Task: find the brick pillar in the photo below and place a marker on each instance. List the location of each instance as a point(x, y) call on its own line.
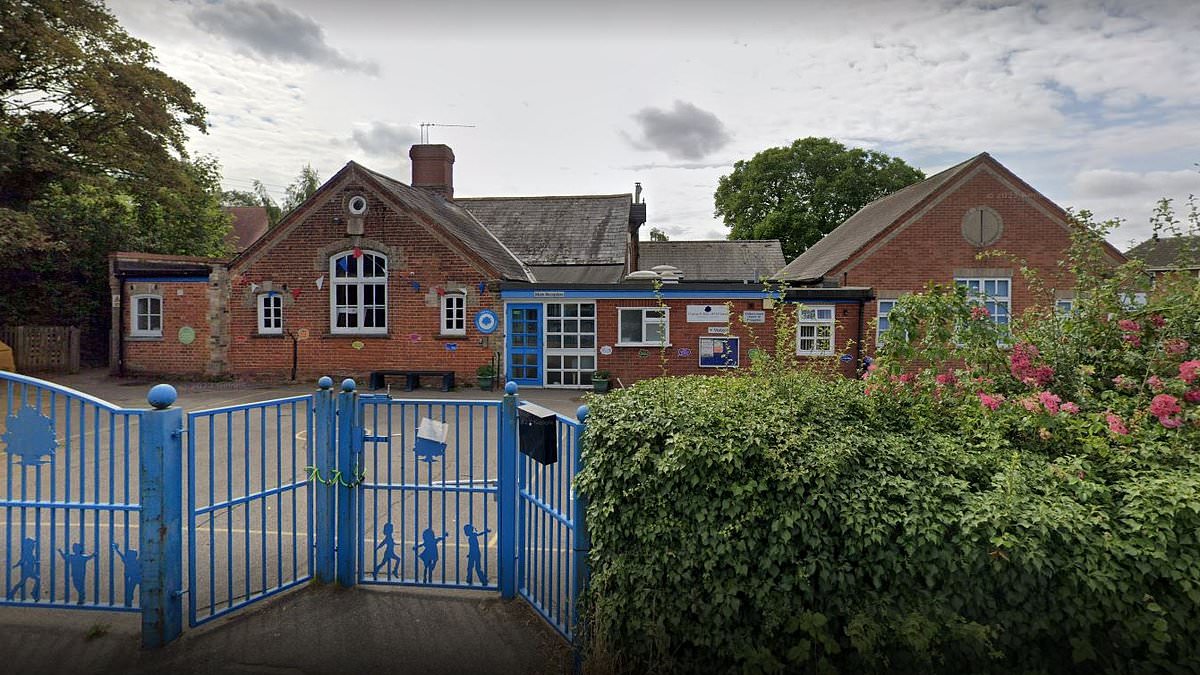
point(219, 297)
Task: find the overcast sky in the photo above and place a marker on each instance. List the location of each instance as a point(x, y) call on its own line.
point(1095, 104)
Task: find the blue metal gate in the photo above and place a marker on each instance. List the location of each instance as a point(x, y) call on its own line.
point(324, 487)
point(249, 503)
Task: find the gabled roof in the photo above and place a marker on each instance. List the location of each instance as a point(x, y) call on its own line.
point(577, 274)
point(570, 230)
point(720, 260)
point(846, 239)
point(249, 223)
point(458, 222)
point(1168, 253)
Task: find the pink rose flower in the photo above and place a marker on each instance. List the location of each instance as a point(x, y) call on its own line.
point(1158, 321)
point(1176, 347)
point(979, 313)
point(1021, 365)
point(989, 401)
point(1115, 424)
point(1189, 371)
point(1170, 422)
point(908, 377)
point(1070, 407)
point(946, 379)
point(1132, 339)
point(1129, 325)
point(1154, 382)
point(1031, 404)
point(1050, 402)
point(1192, 396)
point(1164, 405)
point(1124, 382)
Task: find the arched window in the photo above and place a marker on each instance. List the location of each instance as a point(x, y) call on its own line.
point(358, 294)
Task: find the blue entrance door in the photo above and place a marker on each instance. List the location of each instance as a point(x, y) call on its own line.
point(525, 344)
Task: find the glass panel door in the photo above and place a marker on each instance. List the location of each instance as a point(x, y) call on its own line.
point(524, 353)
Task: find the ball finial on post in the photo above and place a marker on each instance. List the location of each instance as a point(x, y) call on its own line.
point(161, 396)
point(325, 382)
point(510, 387)
point(581, 413)
point(348, 384)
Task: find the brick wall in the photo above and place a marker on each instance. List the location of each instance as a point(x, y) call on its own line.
point(932, 247)
point(291, 264)
point(184, 304)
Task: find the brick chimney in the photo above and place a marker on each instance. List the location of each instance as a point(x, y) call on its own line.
point(433, 168)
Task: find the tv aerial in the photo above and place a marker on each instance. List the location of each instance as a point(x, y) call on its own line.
point(426, 126)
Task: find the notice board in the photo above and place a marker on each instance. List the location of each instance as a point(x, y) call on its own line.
point(719, 352)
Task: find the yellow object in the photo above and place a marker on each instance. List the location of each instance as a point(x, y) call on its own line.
point(6, 358)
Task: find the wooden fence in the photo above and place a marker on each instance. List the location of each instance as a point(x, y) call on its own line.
point(43, 348)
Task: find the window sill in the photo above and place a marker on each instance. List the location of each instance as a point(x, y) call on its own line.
point(356, 336)
point(144, 338)
point(643, 345)
point(815, 354)
point(450, 336)
point(270, 336)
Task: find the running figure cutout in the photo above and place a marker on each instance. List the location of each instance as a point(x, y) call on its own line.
point(388, 544)
point(428, 552)
point(474, 554)
point(77, 563)
point(31, 568)
point(133, 571)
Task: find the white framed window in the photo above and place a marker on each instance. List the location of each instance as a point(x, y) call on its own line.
point(814, 331)
point(146, 319)
point(994, 293)
point(270, 313)
point(1064, 306)
point(882, 322)
point(454, 313)
point(642, 326)
point(570, 343)
point(358, 294)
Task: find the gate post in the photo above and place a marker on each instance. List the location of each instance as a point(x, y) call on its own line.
point(349, 469)
point(583, 540)
point(160, 531)
point(507, 544)
point(323, 463)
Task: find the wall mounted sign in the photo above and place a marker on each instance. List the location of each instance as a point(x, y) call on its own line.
point(846, 358)
point(451, 346)
point(187, 335)
point(754, 316)
point(707, 314)
point(718, 330)
point(606, 350)
point(357, 344)
point(302, 334)
point(486, 321)
point(719, 352)
point(549, 294)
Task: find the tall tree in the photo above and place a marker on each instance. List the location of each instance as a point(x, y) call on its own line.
point(301, 189)
point(658, 235)
point(92, 160)
point(799, 193)
point(80, 97)
point(256, 196)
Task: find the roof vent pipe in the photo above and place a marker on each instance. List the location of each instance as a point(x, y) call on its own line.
point(637, 193)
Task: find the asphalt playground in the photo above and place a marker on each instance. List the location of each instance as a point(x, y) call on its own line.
point(252, 492)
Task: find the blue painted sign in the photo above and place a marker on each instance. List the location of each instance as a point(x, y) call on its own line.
point(486, 321)
point(846, 358)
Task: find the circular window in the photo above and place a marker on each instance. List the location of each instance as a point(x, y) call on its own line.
point(357, 205)
point(981, 226)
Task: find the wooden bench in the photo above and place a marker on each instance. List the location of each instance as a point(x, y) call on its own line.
point(412, 378)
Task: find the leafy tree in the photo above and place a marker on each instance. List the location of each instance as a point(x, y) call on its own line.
point(657, 234)
point(92, 160)
point(80, 97)
point(302, 188)
point(799, 193)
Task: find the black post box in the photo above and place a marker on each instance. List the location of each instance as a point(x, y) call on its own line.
point(538, 431)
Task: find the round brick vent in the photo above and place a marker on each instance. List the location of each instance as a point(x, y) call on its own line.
point(982, 226)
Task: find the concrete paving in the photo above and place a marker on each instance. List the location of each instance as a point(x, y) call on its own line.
point(312, 630)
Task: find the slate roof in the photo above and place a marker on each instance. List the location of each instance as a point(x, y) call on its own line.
point(836, 247)
point(1166, 253)
point(572, 230)
point(577, 274)
point(249, 223)
point(714, 260)
point(459, 223)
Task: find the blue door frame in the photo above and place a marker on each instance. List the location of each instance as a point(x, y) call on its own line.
point(523, 355)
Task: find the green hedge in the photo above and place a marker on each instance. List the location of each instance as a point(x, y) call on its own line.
point(792, 524)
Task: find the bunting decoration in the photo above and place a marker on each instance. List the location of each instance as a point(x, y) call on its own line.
point(320, 282)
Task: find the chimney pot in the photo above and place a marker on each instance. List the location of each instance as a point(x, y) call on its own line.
point(433, 168)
